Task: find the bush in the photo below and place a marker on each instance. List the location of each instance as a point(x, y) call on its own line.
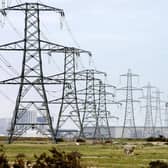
point(19, 162)
point(55, 159)
point(3, 158)
point(160, 138)
point(108, 141)
point(59, 140)
point(80, 140)
point(58, 160)
point(158, 164)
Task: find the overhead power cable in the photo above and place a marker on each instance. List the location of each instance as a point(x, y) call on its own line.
point(7, 97)
point(70, 31)
point(13, 27)
point(8, 65)
point(1, 67)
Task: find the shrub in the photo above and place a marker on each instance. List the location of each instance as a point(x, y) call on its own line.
point(158, 164)
point(60, 140)
point(55, 159)
point(19, 162)
point(58, 160)
point(80, 140)
point(3, 158)
point(108, 141)
point(160, 138)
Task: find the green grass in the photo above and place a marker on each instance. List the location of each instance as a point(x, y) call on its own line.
point(98, 155)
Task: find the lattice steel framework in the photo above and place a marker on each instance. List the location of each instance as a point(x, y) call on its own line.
point(32, 95)
point(93, 103)
point(88, 108)
point(102, 129)
point(166, 115)
point(69, 101)
point(148, 125)
point(158, 116)
point(129, 127)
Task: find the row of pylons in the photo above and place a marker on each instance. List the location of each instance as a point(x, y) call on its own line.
point(85, 94)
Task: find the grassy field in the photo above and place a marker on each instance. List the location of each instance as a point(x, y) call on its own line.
point(97, 155)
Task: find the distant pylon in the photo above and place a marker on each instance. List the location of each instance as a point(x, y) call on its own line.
point(129, 127)
point(166, 115)
point(102, 129)
point(89, 95)
point(148, 125)
point(158, 125)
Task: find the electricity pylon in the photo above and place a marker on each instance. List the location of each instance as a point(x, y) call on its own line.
point(32, 95)
point(148, 125)
point(129, 127)
point(158, 116)
point(93, 103)
point(166, 115)
point(69, 101)
point(102, 129)
point(88, 108)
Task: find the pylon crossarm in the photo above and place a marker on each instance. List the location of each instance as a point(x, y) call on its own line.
point(53, 81)
point(16, 80)
point(110, 94)
point(59, 101)
point(83, 92)
point(90, 71)
point(45, 46)
point(11, 81)
point(13, 46)
point(53, 47)
point(113, 102)
point(41, 7)
point(129, 100)
point(133, 88)
point(113, 117)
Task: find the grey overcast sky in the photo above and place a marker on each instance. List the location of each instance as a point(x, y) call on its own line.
point(121, 34)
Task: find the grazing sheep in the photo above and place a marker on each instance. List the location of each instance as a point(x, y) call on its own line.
point(129, 149)
point(77, 143)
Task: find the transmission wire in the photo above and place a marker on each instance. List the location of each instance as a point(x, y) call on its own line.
point(8, 65)
point(7, 97)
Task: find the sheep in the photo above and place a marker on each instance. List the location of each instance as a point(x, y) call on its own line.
point(129, 149)
point(77, 143)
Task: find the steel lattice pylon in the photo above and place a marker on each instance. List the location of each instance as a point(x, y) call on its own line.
point(88, 108)
point(69, 105)
point(102, 129)
point(31, 77)
point(32, 96)
point(166, 115)
point(148, 125)
point(93, 100)
point(69, 102)
point(129, 127)
point(158, 117)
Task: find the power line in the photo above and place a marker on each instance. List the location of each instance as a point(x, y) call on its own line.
point(8, 65)
point(13, 27)
point(70, 31)
point(5, 70)
point(7, 97)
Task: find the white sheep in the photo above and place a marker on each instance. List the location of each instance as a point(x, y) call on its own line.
point(129, 149)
